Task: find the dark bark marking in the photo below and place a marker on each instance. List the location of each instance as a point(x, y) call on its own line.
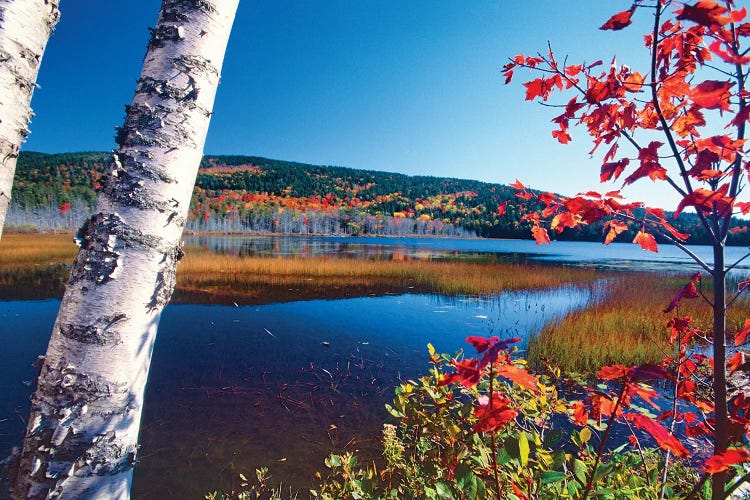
point(71, 390)
point(151, 127)
point(188, 5)
point(191, 63)
point(97, 334)
point(129, 190)
point(166, 279)
point(166, 90)
point(163, 34)
point(128, 161)
point(100, 237)
point(55, 449)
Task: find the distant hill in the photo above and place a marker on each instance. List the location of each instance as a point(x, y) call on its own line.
point(237, 193)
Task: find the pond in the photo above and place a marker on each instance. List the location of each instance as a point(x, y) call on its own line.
point(284, 384)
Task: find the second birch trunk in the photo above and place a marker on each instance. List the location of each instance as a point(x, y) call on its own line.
point(25, 27)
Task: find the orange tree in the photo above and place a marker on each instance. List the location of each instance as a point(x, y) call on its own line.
point(682, 121)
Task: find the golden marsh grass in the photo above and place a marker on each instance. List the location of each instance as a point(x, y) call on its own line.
point(200, 269)
point(18, 250)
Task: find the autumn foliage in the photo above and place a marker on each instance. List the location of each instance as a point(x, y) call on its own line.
point(678, 120)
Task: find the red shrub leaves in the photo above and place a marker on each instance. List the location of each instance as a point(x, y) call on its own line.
point(467, 373)
point(741, 335)
point(495, 414)
point(481, 344)
point(662, 437)
point(722, 461)
point(613, 372)
point(519, 376)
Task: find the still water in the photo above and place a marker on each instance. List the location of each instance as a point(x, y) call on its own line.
point(284, 384)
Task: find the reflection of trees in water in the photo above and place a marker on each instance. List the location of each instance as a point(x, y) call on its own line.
point(33, 282)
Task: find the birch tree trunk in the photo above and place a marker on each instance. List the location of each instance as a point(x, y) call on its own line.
point(82, 435)
point(25, 27)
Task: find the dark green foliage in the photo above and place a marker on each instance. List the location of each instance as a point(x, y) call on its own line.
point(45, 179)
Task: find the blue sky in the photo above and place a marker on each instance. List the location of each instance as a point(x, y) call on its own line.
point(412, 87)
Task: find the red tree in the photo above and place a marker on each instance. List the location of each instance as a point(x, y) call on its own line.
point(682, 122)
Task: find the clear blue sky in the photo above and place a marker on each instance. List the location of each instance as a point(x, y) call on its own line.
point(407, 86)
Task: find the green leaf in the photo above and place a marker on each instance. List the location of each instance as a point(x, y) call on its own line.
point(443, 491)
point(552, 476)
point(579, 470)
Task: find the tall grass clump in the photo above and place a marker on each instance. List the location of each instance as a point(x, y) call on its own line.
point(624, 325)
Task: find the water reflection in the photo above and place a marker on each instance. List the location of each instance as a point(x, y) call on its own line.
point(620, 256)
point(348, 247)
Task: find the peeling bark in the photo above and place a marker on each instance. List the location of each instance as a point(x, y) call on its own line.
point(81, 441)
point(25, 27)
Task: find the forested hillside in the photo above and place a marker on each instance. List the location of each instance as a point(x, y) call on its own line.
point(236, 193)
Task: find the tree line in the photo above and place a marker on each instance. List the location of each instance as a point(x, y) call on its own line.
point(250, 193)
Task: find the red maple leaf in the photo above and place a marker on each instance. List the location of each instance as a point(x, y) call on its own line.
point(706, 13)
point(615, 227)
point(650, 166)
point(646, 241)
point(612, 170)
point(688, 291)
point(540, 235)
point(712, 94)
point(501, 208)
point(562, 136)
point(706, 201)
point(619, 20)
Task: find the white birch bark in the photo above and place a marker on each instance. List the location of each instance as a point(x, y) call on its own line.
point(25, 27)
point(82, 436)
